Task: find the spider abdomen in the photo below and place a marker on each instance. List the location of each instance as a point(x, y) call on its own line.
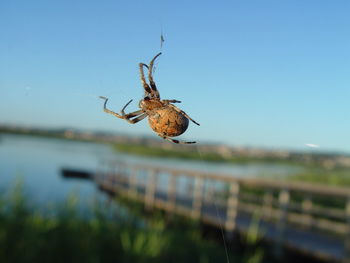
point(167, 121)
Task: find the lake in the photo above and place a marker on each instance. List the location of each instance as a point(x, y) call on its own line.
point(38, 162)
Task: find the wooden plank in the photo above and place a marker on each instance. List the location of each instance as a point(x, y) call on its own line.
point(171, 193)
point(267, 205)
point(197, 198)
point(133, 182)
point(317, 189)
point(338, 228)
point(347, 239)
point(284, 198)
point(306, 207)
point(150, 189)
point(232, 207)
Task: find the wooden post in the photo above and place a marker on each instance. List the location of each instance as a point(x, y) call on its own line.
point(283, 200)
point(347, 237)
point(171, 202)
point(189, 189)
point(111, 180)
point(151, 189)
point(132, 192)
point(209, 193)
point(232, 207)
point(267, 205)
point(306, 207)
point(120, 174)
point(113, 175)
point(197, 198)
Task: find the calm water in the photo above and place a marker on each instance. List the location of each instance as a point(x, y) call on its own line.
point(38, 162)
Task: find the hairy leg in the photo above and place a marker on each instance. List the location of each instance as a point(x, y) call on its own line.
point(131, 114)
point(138, 114)
point(171, 101)
point(109, 111)
point(137, 119)
point(146, 87)
point(174, 140)
point(150, 76)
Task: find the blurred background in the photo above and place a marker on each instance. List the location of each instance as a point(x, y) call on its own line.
point(268, 179)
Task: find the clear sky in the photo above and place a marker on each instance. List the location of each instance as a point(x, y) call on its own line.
point(253, 73)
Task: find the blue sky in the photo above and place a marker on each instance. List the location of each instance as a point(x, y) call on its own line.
point(253, 73)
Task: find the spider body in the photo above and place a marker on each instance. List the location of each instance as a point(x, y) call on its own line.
point(149, 105)
point(164, 117)
point(168, 122)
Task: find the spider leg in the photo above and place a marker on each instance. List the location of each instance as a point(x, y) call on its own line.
point(126, 105)
point(137, 119)
point(138, 114)
point(131, 114)
point(150, 77)
point(146, 87)
point(173, 140)
point(171, 101)
point(184, 113)
point(109, 111)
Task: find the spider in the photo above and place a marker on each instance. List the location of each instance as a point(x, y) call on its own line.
point(164, 118)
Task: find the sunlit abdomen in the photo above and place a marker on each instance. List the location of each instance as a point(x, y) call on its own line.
point(168, 121)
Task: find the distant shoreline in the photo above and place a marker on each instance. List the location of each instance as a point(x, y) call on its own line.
point(202, 152)
point(316, 169)
point(154, 151)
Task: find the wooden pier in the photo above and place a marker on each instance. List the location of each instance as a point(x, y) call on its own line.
point(313, 219)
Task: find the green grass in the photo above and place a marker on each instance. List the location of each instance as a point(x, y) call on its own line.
point(164, 153)
point(333, 177)
point(63, 235)
point(191, 154)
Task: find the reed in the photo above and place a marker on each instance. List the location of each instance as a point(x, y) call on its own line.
point(63, 233)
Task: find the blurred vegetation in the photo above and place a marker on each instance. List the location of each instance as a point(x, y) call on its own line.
point(254, 252)
point(338, 176)
point(327, 161)
point(64, 235)
point(191, 154)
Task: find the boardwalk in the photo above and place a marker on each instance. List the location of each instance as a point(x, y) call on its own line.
point(312, 219)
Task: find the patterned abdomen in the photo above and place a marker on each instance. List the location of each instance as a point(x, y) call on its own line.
point(168, 121)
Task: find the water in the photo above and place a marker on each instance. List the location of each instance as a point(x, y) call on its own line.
point(38, 162)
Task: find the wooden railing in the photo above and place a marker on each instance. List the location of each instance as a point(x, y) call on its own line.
point(311, 211)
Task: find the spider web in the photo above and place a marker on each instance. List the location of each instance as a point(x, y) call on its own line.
point(218, 215)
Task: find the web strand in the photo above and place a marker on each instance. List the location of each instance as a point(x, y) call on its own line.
point(221, 227)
